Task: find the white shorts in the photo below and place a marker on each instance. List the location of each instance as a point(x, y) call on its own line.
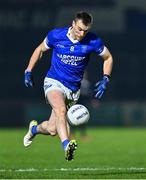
point(52, 84)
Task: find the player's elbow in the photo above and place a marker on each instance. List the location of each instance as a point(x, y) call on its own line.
point(109, 58)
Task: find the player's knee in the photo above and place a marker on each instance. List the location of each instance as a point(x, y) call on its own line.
point(52, 130)
point(43, 127)
point(53, 133)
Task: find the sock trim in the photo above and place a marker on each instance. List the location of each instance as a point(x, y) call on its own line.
point(34, 130)
point(65, 143)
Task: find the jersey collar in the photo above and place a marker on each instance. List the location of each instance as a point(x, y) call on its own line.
point(69, 37)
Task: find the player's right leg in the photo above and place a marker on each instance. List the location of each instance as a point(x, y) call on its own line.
point(47, 127)
point(70, 149)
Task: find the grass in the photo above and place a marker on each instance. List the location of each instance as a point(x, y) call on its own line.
point(106, 153)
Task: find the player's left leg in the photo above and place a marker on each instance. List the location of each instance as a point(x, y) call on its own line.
point(70, 149)
point(57, 100)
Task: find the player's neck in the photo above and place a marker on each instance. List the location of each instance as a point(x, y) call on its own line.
point(72, 35)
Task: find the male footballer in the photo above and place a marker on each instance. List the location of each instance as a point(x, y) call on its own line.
point(72, 47)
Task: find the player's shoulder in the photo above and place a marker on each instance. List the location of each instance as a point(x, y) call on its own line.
point(92, 38)
point(58, 32)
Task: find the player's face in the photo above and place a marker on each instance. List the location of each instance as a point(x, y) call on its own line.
point(79, 29)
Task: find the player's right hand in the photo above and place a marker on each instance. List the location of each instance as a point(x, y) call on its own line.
point(28, 79)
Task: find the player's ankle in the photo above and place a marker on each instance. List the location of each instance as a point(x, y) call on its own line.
point(65, 143)
point(34, 130)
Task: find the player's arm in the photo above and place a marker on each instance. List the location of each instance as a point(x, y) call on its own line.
point(108, 62)
point(37, 54)
point(107, 69)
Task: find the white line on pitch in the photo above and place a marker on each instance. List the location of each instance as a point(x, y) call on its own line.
point(77, 169)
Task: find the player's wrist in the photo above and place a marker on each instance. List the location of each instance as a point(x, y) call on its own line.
point(28, 70)
point(107, 77)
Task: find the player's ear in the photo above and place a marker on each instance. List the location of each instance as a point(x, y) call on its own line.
point(73, 23)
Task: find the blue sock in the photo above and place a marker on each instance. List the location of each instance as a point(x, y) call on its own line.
point(34, 130)
point(65, 143)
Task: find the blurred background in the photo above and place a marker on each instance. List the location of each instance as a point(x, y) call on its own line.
point(122, 26)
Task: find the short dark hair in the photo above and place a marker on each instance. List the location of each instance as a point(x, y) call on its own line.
point(85, 17)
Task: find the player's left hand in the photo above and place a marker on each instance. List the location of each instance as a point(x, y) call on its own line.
point(101, 86)
point(28, 79)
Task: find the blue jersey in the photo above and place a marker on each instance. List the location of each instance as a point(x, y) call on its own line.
point(70, 57)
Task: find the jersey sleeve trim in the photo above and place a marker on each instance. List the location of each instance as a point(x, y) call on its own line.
point(45, 43)
point(103, 52)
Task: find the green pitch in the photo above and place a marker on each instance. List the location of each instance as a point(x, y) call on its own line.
point(105, 153)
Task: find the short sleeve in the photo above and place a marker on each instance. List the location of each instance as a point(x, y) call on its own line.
point(99, 47)
point(49, 40)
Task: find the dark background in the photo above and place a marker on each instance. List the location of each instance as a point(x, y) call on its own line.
point(122, 26)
